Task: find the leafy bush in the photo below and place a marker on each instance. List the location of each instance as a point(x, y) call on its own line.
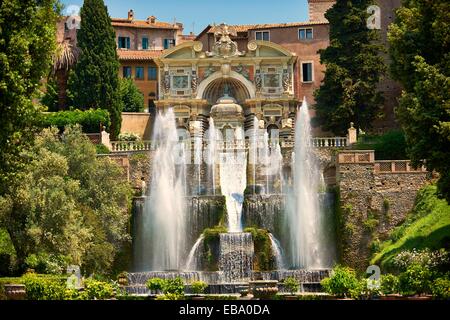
point(199, 287)
point(364, 289)
point(89, 120)
point(131, 98)
point(389, 284)
point(173, 289)
point(389, 146)
point(102, 149)
point(45, 263)
point(341, 283)
point(173, 286)
point(155, 284)
point(425, 258)
point(441, 288)
point(127, 136)
point(50, 97)
point(415, 280)
point(291, 284)
point(67, 202)
point(94, 289)
point(44, 288)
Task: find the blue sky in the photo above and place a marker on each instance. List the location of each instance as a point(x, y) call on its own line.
point(202, 12)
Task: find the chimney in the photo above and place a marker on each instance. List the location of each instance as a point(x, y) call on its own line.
point(151, 19)
point(130, 15)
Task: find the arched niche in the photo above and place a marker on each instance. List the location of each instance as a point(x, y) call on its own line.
point(212, 88)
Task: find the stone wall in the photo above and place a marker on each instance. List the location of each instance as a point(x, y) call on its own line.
point(375, 197)
point(138, 123)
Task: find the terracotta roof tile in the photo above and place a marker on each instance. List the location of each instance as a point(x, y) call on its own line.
point(143, 24)
point(245, 28)
point(138, 55)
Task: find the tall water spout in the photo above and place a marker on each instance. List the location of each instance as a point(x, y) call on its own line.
point(254, 150)
point(164, 235)
point(306, 248)
point(212, 154)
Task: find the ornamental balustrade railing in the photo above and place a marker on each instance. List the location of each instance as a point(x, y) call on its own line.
point(147, 145)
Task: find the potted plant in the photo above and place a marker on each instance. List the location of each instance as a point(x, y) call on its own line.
point(198, 288)
point(155, 285)
point(389, 287)
point(291, 285)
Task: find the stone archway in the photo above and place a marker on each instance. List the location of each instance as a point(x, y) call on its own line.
point(212, 87)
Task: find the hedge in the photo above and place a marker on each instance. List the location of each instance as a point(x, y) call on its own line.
point(90, 120)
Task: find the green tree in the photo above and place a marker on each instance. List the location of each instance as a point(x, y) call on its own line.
point(50, 97)
point(420, 52)
point(354, 68)
point(27, 42)
point(67, 203)
point(131, 98)
point(94, 82)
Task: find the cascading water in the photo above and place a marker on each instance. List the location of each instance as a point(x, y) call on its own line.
point(192, 259)
point(164, 231)
point(236, 256)
point(233, 180)
point(306, 250)
point(276, 250)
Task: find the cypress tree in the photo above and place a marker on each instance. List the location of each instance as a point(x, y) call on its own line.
point(94, 83)
point(354, 67)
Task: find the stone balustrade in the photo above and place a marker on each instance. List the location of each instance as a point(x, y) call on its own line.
point(396, 166)
point(379, 166)
point(139, 146)
point(130, 146)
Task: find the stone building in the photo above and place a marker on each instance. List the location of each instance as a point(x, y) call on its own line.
point(139, 42)
point(305, 39)
point(141, 45)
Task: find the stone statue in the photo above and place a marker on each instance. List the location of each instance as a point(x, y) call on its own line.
point(74, 279)
point(224, 46)
point(258, 81)
point(286, 80)
point(166, 81)
point(194, 81)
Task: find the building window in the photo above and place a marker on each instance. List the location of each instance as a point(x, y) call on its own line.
point(307, 72)
point(262, 35)
point(305, 33)
point(127, 72)
point(144, 43)
point(169, 43)
point(124, 42)
point(140, 73)
point(152, 73)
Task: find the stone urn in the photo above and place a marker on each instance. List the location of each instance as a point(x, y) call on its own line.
point(264, 289)
point(15, 291)
point(122, 279)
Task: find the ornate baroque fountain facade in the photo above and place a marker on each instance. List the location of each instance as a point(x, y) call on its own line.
point(231, 197)
point(260, 80)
